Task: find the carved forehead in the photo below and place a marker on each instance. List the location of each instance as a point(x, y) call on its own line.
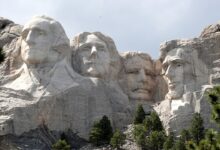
point(91, 38)
point(178, 54)
point(39, 23)
point(138, 62)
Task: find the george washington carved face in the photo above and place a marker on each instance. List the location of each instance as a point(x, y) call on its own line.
point(41, 39)
point(36, 41)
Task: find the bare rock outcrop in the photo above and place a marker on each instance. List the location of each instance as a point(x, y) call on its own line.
point(210, 31)
point(43, 88)
point(46, 80)
point(188, 67)
point(8, 31)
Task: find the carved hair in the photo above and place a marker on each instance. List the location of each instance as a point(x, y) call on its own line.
point(115, 62)
point(13, 59)
point(61, 42)
point(129, 55)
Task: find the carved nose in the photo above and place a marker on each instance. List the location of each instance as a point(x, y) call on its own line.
point(142, 75)
point(169, 72)
point(93, 52)
point(29, 39)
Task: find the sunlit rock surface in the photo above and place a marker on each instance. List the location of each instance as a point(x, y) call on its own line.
point(49, 80)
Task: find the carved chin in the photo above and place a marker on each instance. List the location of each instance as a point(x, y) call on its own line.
point(32, 60)
point(140, 96)
point(174, 95)
point(33, 57)
point(93, 72)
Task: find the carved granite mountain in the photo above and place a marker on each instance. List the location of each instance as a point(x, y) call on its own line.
point(8, 31)
point(189, 68)
point(46, 80)
point(39, 86)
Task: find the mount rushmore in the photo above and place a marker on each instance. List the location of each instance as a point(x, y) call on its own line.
point(64, 83)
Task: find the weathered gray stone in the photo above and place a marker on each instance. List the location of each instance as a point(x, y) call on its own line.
point(138, 79)
point(8, 31)
point(43, 88)
point(47, 81)
point(210, 31)
point(95, 55)
point(188, 66)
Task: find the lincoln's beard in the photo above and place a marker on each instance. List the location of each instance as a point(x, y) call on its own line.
point(175, 93)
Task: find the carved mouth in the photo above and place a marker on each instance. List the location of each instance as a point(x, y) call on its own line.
point(141, 90)
point(89, 62)
point(92, 62)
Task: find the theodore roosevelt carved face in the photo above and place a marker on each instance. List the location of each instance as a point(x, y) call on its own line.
point(139, 74)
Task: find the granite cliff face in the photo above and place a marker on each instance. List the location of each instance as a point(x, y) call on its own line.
point(49, 80)
point(40, 86)
point(190, 67)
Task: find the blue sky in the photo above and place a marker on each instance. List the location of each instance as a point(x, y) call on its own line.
point(135, 25)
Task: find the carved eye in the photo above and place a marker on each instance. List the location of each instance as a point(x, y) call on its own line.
point(41, 33)
point(87, 47)
point(178, 64)
point(132, 71)
point(101, 48)
point(149, 73)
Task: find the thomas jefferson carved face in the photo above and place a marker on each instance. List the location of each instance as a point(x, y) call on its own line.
point(37, 39)
point(139, 77)
point(94, 57)
point(177, 72)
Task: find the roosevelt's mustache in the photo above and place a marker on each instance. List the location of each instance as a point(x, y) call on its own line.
point(142, 87)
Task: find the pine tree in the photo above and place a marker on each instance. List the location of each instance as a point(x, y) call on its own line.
point(153, 123)
point(214, 99)
point(139, 134)
point(185, 135)
point(197, 128)
point(156, 123)
point(191, 145)
point(211, 141)
point(101, 132)
point(155, 140)
point(140, 115)
point(106, 128)
point(181, 142)
point(179, 145)
point(95, 135)
point(204, 145)
point(61, 145)
point(118, 139)
point(168, 144)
